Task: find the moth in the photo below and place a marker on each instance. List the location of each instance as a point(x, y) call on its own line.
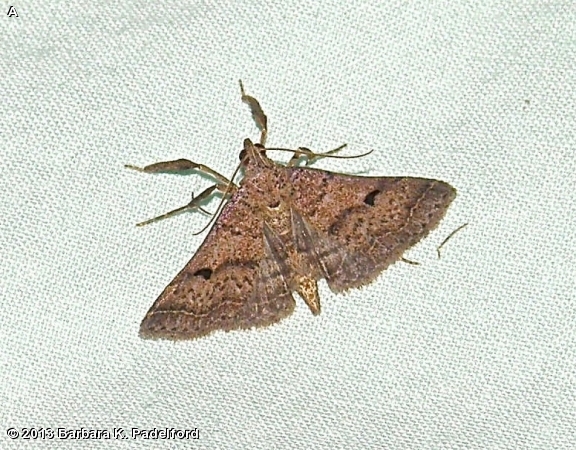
point(283, 228)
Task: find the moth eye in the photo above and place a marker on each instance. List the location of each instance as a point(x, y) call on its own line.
point(242, 155)
point(274, 205)
point(204, 273)
point(369, 199)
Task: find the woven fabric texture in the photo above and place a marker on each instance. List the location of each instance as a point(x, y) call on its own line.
point(475, 350)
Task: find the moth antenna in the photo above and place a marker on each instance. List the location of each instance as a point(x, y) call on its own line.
point(224, 194)
point(329, 153)
point(306, 152)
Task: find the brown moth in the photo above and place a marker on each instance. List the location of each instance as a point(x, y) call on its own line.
point(284, 228)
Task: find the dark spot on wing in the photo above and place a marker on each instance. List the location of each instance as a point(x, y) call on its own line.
point(204, 273)
point(369, 199)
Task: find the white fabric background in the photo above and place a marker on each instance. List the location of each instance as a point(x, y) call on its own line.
point(473, 351)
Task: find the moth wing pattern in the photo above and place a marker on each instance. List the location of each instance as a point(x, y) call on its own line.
point(222, 288)
point(364, 224)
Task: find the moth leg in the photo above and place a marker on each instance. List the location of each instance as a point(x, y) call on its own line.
point(181, 165)
point(193, 204)
point(257, 114)
point(409, 261)
point(448, 238)
point(310, 156)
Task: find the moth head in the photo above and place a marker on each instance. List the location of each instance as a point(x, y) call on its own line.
point(254, 154)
